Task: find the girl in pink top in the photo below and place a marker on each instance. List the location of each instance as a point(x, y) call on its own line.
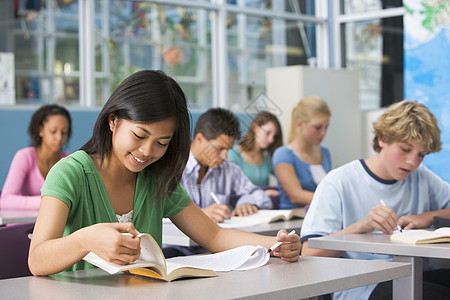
point(49, 129)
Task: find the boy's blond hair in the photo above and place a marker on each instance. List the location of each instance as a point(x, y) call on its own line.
point(408, 121)
point(308, 109)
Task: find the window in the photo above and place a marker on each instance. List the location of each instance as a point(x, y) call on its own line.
point(44, 39)
point(369, 38)
point(75, 52)
point(142, 35)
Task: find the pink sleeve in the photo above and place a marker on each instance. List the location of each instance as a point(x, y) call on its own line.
point(12, 197)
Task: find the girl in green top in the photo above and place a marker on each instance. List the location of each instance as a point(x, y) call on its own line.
point(126, 179)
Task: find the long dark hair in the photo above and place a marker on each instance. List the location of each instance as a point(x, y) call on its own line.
point(40, 116)
point(148, 97)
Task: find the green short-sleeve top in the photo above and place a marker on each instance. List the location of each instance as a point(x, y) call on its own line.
point(76, 181)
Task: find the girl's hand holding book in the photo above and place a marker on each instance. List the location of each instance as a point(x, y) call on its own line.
point(108, 242)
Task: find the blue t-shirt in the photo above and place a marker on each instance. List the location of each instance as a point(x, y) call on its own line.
point(285, 154)
point(258, 174)
point(348, 193)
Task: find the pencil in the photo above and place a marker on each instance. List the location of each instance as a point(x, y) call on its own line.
point(398, 226)
point(279, 243)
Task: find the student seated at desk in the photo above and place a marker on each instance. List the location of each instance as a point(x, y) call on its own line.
point(208, 170)
point(210, 175)
point(126, 179)
point(301, 165)
point(348, 200)
point(49, 129)
point(254, 152)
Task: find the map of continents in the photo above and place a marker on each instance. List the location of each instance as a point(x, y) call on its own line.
point(427, 68)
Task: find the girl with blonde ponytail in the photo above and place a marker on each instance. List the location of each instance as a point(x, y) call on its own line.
point(300, 165)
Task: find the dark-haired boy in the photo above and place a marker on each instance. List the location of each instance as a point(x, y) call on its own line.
point(208, 170)
point(351, 198)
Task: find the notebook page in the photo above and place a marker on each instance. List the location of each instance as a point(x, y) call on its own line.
point(255, 261)
point(234, 259)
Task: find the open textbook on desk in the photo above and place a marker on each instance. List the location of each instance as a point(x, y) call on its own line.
point(152, 263)
point(264, 217)
point(421, 236)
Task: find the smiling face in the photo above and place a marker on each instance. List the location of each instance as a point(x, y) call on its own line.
point(265, 135)
point(399, 159)
point(137, 145)
point(54, 132)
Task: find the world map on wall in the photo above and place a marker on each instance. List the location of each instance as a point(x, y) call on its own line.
point(427, 68)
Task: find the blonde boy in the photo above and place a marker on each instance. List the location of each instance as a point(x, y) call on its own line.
point(348, 198)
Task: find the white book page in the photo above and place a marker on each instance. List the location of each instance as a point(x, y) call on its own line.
point(111, 268)
point(173, 266)
point(414, 234)
point(261, 217)
point(150, 252)
point(240, 223)
point(150, 255)
point(421, 233)
point(269, 214)
point(443, 231)
point(239, 258)
point(257, 260)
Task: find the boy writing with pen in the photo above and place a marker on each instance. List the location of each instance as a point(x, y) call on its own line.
point(214, 183)
point(348, 199)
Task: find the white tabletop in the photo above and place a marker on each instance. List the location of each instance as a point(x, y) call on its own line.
point(404, 288)
point(173, 236)
point(379, 243)
point(308, 277)
point(17, 216)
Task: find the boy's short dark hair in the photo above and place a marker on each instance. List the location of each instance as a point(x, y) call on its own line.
point(217, 121)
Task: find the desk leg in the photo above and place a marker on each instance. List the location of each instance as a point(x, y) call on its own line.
point(409, 287)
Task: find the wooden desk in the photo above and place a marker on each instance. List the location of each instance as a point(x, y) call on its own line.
point(310, 276)
point(173, 236)
point(406, 288)
point(17, 216)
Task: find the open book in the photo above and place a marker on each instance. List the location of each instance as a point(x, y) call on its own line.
point(421, 236)
point(152, 263)
point(264, 217)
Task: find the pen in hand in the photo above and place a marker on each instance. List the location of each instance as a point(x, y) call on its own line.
point(398, 226)
point(215, 197)
point(224, 211)
point(279, 243)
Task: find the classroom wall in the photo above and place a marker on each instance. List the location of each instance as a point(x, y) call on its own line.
point(13, 132)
